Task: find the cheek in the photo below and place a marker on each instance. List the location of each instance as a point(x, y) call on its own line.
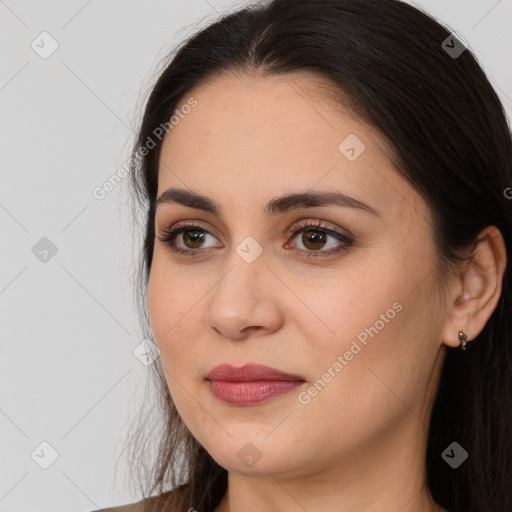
point(352, 302)
point(176, 316)
point(170, 298)
point(165, 312)
point(173, 318)
point(161, 304)
point(371, 308)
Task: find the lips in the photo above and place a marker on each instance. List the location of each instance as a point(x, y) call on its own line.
point(249, 373)
point(251, 384)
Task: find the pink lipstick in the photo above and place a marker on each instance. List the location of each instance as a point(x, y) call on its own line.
point(250, 384)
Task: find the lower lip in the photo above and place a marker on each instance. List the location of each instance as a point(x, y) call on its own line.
point(253, 392)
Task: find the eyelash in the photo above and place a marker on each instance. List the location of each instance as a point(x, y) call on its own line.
point(168, 236)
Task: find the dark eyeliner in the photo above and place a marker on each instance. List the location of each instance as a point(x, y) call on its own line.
point(168, 238)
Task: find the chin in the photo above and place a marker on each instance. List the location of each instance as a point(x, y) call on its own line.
point(262, 467)
point(254, 454)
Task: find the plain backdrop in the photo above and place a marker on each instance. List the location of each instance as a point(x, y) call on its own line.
point(68, 374)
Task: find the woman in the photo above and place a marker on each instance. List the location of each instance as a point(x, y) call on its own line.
point(326, 266)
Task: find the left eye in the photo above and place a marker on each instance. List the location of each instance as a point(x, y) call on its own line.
point(314, 237)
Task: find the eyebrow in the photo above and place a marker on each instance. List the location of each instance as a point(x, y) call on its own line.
point(281, 204)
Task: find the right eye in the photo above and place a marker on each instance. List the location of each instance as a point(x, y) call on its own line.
point(193, 237)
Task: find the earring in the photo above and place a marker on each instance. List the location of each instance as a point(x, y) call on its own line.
point(463, 339)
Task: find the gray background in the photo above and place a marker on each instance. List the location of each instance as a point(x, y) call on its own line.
point(68, 375)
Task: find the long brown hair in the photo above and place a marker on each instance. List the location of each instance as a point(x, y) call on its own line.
point(451, 141)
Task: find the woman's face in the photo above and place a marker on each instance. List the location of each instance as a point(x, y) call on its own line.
point(351, 307)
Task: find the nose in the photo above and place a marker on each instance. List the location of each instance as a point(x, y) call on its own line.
point(246, 300)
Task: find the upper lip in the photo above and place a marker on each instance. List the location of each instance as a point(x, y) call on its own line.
point(249, 372)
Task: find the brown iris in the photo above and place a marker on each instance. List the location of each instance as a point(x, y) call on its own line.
point(317, 237)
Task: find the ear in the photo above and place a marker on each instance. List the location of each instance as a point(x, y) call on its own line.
point(475, 292)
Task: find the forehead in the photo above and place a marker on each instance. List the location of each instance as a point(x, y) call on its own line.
point(274, 110)
point(260, 137)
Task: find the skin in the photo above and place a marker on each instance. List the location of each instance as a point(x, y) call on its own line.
point(359, 445)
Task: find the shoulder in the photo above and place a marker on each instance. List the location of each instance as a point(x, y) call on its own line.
point(135, 507)
point(132, 507)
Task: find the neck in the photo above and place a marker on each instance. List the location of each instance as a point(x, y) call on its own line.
point(388, 474)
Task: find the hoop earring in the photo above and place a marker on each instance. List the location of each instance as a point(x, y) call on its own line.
point(463, 339)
